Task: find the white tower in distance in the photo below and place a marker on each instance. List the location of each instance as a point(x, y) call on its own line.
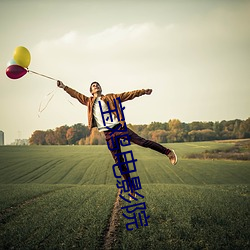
point(1, 138)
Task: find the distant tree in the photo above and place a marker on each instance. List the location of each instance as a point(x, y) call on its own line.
point(159, 135)
point(60, 134)
point(76, 133)
point(137, 128)
point(209, 125)
point(156, 126)
point(87, 141)
point(217, 129)
point(145, 133)
point(82, 131)
point(185, 130)
point(222, 126)
point(227, 130)
point(141, 130)
point(96, 138)
point(244, 129)
point(50, 137)
point(38, 138)
point(174, 124)
point(201, 125)
point(202, 135)
point(70, 136)
point(82, 142)
point(236, 129)
point(196, 126)
point(175, 133)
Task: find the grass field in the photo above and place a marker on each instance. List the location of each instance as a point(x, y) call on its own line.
point(62, 197)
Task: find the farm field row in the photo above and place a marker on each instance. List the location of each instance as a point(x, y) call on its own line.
point(62, 197)
point(191, 217)
point(93, 165)
point(55, 217)
point(77, 216)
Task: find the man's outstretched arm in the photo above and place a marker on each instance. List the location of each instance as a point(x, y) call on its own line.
point(80, 97)
point(132, 94)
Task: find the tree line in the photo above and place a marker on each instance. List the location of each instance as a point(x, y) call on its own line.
point(172, 131)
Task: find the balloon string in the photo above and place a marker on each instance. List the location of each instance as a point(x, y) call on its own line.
point(71, 103)
point(31, 71)
point(50, 96)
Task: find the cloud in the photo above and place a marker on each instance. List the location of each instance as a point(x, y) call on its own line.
point(119, 35)
point(112, 36)
point(202, 40)
point(113, 41)
point(116, 45)
point(68, 38)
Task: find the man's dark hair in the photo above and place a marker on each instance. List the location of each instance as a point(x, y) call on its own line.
point(92, 84)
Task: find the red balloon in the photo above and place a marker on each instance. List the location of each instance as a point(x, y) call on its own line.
point(15, 71)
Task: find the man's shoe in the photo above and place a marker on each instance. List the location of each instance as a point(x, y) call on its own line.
point(172, 157)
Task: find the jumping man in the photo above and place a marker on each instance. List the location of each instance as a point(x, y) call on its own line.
point(95, 120)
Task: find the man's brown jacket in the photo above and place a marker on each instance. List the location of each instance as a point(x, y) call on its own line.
point(89, 102)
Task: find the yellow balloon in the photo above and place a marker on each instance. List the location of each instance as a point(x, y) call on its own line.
point(22, 56)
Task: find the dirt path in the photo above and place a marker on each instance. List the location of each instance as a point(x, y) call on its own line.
point(6, 213)
point(111, 235)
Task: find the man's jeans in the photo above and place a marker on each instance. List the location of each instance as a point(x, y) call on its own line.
point(113, 141)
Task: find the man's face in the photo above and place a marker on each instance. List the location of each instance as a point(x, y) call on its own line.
point(95, 88)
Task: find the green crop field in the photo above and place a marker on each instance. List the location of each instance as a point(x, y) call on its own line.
point(62, 197)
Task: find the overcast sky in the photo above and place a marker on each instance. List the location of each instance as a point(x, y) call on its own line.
point(195, 55)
